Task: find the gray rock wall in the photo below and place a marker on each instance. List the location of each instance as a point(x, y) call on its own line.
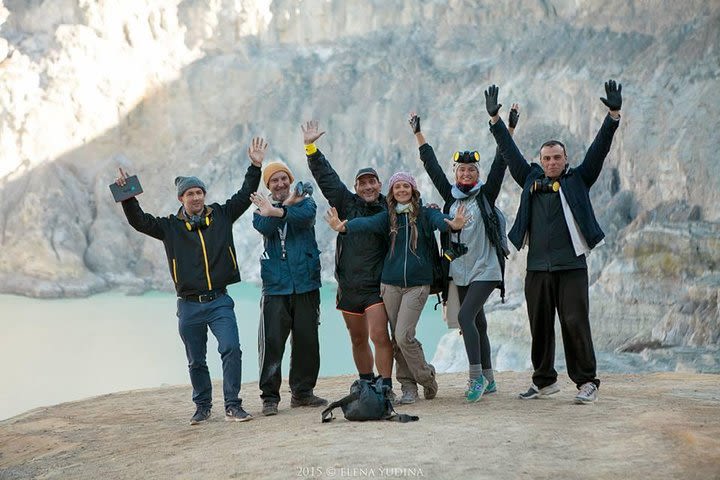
point(180, 87)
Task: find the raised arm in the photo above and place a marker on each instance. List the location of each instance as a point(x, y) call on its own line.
point(519, 167)
point(139, 220)
point(497, 169)
point(332, 188)
point(238, 203)
point(299, 211)
point(589, 170)
point(429, 160)
point(378, 224)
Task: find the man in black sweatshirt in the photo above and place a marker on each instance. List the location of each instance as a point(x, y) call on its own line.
point(556, 220)
point(202, 262)
point(358, 260)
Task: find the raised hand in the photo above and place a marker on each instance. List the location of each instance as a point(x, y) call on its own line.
point(331, 217)
point(514, 115)
point(263, 204)
point(121, 180)
point(613, 92)
point(256, 151)
point(459, 221)
point(311, 132)
point(414, 121)
point(491, 100)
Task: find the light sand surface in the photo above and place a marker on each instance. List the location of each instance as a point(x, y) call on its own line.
point(656, 426)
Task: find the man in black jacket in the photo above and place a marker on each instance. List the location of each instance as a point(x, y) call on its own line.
point(358, 260)
point(202, 262)
point(556, 220)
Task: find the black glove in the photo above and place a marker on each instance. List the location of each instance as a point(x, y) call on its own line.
point(491, 100)
point(613, 91)
point(513, 118)
point(414, 122)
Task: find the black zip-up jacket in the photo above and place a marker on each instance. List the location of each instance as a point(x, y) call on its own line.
point(199, 259)
point(575, 183)
point(359, 257)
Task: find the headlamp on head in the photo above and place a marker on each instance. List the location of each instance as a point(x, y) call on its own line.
point(466, 157)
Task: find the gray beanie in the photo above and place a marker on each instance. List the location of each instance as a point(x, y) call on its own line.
point(185, 183)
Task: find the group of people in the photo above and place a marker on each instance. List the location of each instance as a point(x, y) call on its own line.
point(384, 264)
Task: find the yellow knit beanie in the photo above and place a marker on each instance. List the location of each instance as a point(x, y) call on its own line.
point(274, 167)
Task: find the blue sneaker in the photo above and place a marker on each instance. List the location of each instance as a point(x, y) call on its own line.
point(491, 387)
point(475, 389)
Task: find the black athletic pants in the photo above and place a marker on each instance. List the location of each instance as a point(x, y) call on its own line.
point(473, 322)
point(299, 314)
point(566, 292)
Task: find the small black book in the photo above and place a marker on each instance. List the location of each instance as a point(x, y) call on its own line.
point(131, 188)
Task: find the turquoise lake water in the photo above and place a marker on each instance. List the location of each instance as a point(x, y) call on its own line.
point(54, 351)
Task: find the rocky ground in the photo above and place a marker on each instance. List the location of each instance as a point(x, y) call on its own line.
point(659, 426)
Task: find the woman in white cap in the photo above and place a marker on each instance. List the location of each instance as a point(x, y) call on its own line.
point(476, 254)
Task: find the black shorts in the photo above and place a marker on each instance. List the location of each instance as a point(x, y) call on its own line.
point(356, 302)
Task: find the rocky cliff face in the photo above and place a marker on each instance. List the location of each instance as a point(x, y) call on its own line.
point(180, 87)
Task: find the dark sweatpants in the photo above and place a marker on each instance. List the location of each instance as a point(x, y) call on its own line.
point(299, 314)
point(567, 292)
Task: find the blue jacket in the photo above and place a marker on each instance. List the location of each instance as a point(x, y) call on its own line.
point(575, 183)
point(299, 272)
point(403, 268)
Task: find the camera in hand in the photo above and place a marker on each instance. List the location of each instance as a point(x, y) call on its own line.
point(545, 185)
point(456, 250)
point(303, 189)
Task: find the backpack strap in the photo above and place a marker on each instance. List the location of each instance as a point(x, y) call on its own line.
point(327, 415)
point(400, 417)
point(492, 230)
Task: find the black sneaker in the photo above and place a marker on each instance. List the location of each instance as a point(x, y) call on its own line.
point(201, 415)
point(235, 413)
point(270, 408)
point(535, 392)
point(307, 401)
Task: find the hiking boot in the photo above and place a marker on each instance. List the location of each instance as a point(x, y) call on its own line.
point(235, 413)
point(307, 401)
point(588, 393)
point(430, 391)
point(408, 397)
point(201, 415)
point(475, 389)
point(390, 395)
point(270, 408)
point(490, 387)
point(535, 392)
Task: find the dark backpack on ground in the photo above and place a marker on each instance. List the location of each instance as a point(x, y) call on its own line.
point(367, 401)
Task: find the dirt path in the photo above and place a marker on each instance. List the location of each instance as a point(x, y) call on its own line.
point(660, 426)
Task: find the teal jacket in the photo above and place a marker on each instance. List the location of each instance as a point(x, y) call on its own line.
point(299, 270)
point(402, 267)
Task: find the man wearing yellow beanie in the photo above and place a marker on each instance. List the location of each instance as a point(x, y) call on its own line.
point(290, 272)
point(273, 168)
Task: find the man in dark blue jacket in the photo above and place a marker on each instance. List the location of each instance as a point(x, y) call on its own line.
point(202, 262)
point(290, 271)
point(556, 220)
point(358, 260)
